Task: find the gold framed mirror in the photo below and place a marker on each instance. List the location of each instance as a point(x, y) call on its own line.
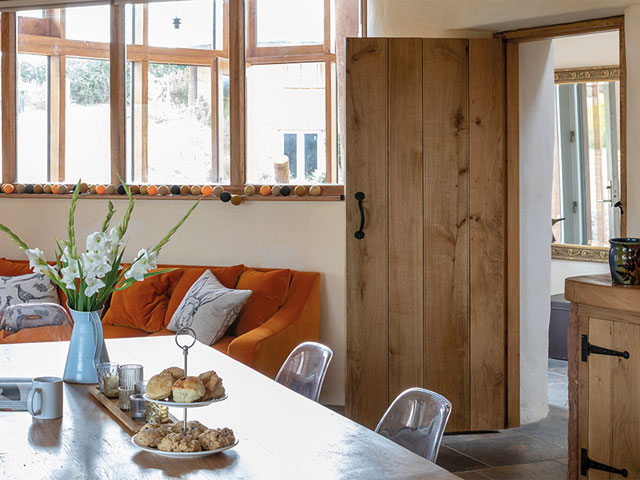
point(589, 194)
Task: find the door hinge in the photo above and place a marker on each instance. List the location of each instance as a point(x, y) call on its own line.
point(589, 349)
point(587, 464)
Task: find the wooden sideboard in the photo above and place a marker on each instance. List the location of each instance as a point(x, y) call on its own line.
point(604, 379)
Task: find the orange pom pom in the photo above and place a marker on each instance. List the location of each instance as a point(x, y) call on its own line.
point(265, 190)
point(8, 188)
point(54, 188)
point(101, 189)
point(152, 190)
point(207, 190)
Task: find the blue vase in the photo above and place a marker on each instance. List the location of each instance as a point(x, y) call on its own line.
point(87, 348)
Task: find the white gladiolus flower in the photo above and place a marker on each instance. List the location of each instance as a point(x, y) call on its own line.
point(98, 243)
point(145, 262)
point(93, 286)
point(36, 260)
point(94, 265)
point(70, 273)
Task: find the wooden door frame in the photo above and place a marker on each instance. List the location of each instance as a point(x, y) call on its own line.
point(512, 39)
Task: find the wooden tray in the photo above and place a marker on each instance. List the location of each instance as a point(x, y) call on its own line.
point(111, 404)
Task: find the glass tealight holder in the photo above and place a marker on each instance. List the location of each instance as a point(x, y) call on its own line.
point(140, 386)
point(129, 374)
point(124, 395)
point(157, 413)
point(138, 406)
point(108, 379)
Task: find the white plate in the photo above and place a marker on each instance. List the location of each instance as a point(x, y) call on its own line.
point(170, 403)
point(204, 453)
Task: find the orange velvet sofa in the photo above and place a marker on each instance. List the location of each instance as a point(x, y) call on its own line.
point(283, 311)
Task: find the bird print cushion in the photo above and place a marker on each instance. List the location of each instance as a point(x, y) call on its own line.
point(29, 288)
point(209, 308)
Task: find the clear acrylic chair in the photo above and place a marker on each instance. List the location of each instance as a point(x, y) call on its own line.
point(305, 368)
point(416, 420)
point(31, 315)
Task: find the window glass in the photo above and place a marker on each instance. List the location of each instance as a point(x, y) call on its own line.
point(289, 22)
point(90, 24)
point(179, 124)
point(87, 147)
point(32, 100)
point(185, 24)
point(286, 116)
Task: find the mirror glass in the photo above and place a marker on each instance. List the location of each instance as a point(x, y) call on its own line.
point(586, 186)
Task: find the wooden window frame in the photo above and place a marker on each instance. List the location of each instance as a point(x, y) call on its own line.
point(46, 37)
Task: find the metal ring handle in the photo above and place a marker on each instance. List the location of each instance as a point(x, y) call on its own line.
point(359, 234)
point(185, 330)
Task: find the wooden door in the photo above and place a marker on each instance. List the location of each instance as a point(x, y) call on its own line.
point(426, 302)
point(609, 403)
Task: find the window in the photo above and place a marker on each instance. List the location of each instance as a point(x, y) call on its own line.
point(586, 172)
point(156, 102)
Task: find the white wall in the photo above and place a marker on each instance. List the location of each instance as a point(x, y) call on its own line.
point(591, 50)
point(561, 269)
point(632, 40)
point(536, 168)
point(297, 235)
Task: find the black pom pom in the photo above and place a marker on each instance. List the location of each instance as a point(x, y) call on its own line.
point(121, 190)
point(225, 196)
point(73, 187)
point(28, 188)
point(175, 189)
point(285, 191)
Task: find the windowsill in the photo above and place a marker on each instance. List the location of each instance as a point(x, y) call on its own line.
point(245, 198)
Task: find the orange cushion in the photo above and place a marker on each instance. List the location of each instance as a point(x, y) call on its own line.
point(222, 345)
point(228, 276)
point(269, 293)
point(12, 268)
point(143, 305)
point(115, 331)
point(50, 333)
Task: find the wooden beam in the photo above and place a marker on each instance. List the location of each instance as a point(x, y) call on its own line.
point(237, 92)
point(9, 110)
point(118, 94)
point(57, 117)
point(141, 122)
point(215, 122)
point(513, 235)
point(562, 29)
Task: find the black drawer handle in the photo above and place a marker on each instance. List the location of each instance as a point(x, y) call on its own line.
point(360, 234)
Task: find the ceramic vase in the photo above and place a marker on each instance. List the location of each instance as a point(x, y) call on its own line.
point(624, 260)
point(86, 349)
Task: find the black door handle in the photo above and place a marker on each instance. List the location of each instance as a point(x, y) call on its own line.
point(619, 205)
point(360, 234)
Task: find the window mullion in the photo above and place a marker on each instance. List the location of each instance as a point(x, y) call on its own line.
point(117, 93)
point(9, 110)
point(237, 91)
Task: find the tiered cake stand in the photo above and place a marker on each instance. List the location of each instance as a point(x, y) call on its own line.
point(185, 406)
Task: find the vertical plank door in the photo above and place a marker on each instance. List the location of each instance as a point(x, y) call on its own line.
point(446, 226)
point(405, 192)
point(487, 203)
point(367, 266)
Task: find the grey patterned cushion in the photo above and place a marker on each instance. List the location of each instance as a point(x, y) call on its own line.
point(29, 288)
point(209, 308)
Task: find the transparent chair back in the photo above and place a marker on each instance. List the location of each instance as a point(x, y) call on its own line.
point(31, 315)
point(416, 420)
point(305, 369)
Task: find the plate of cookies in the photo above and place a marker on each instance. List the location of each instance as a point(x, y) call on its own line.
point(168, 440)
point(173, 389)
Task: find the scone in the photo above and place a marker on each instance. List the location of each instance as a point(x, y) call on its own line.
point(216, 438)
point(187, 390)
point(176, 442)
point(151, 437)
point(212, 384)
point(159, 386)
point(175, 372)
point(194, 428)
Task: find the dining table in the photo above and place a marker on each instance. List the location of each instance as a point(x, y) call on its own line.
point(281, 434)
